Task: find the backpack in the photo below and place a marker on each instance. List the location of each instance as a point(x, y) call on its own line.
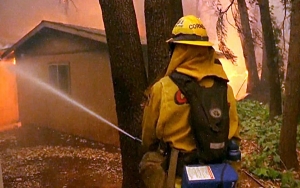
point(209, 116)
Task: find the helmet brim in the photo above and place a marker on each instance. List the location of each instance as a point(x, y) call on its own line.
point(196, 43)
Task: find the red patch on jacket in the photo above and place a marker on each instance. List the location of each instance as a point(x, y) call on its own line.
point(180, 98)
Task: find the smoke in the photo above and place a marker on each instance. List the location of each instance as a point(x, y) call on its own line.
point(18, 17)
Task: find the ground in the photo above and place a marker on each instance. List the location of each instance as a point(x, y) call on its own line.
point(35, 157)
point(42, 158)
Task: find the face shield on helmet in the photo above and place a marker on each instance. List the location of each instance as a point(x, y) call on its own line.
point(189, 30)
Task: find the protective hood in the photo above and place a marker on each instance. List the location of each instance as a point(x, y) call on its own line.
point(195, 61)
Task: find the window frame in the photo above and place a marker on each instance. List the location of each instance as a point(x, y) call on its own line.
point(57, 82)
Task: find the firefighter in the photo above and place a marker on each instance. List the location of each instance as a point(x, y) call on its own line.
point(165, 122)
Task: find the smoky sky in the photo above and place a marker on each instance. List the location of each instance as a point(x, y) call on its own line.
point(18, 17)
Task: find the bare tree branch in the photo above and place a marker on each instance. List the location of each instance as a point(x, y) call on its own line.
point(222, 32)
point(285, 17)
point(66, 5)
point(231, 3)
point(74, 5)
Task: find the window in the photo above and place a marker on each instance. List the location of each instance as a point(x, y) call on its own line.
point(59, 76)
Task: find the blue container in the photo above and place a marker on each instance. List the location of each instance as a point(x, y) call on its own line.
point(209, 176)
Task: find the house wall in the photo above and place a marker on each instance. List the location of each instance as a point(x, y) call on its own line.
point(91, 86)
point(9, 114)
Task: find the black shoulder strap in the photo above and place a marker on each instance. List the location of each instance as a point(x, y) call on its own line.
point(184, 82)
point(191, 90)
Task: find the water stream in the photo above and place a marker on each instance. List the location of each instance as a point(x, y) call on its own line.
point(51, 89)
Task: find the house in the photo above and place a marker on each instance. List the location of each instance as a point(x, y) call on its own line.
point(73, 60)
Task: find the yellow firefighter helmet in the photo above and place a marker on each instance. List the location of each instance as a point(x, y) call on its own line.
point(190, 30)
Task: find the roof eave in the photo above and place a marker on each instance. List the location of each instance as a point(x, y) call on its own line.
point(45, 24)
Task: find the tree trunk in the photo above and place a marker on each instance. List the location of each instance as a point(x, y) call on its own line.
point(264, 78)
point(160, 17)
point(288, 141)
point(176, 11)
point(129, 80)
point(272, 59)
point(248, 48)
point(158, 27)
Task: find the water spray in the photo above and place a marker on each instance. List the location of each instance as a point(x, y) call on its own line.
point(71, 101)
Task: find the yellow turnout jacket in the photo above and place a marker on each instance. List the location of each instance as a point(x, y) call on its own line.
point(166, 112)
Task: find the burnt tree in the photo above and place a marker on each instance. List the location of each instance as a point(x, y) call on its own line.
point(176, 11)
point(158, 30)
point(129, 80)
point(291, 111)
point(160, 17)
point(264, 78)
point(275, 107)
point(248, 48)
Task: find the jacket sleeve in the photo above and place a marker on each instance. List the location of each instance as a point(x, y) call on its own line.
point(234, 129)
point(150, 118)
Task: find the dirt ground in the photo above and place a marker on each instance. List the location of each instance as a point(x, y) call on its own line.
point(41, 158)
point(34, 157)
